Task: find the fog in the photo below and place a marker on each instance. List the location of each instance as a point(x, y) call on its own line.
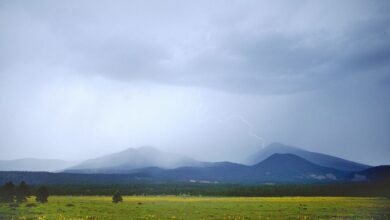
point(212, 80)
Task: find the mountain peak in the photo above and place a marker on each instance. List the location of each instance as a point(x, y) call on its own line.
point(281, 146)
point(313, 157)
point(139, 148)
point(280, 159)
point(134, 158)
point(281, 156)
point(148, 149)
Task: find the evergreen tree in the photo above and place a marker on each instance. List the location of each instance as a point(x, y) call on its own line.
point(22, 192)
point(8, 192)
point(42, 194)
point(117, 197)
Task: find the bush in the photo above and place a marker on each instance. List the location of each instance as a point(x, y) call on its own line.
point(29, 205)
point(117, 197)
point(14, 205)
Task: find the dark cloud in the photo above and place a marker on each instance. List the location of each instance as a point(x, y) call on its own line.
point(240, 51)
point(299, 61)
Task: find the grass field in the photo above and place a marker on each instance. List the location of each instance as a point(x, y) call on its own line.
point(171, 207)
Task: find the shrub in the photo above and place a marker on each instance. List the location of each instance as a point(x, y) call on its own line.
point(29, 205)
point(117, 197)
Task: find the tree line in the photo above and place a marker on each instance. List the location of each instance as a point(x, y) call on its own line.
point(195, 189)
point(10, 193)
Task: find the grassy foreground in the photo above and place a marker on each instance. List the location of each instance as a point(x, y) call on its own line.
point(172, 207)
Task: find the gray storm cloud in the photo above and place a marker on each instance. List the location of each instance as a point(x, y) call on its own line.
point(81, 79)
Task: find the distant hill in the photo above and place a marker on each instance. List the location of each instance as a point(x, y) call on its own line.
point(289, 166)
point(316, 158)
point(131, 159)
point(379, 173)
point(277, 163)
point(278, 168)
point(32, 164)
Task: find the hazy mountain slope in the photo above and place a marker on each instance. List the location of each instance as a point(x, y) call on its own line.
point(379, 173)
point(221, 173)
point(276, 168)
point(279, 168)
point(31, 164)
point(290, 166)
point(317, 158)
point(133, 158)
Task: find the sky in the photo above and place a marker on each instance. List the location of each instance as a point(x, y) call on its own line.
point(214, 80)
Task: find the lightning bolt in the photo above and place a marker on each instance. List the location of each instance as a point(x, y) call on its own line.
point(229, 118)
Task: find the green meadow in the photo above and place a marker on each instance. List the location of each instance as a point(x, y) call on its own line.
point(176, 207)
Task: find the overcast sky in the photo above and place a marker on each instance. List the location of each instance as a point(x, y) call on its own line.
point(215, 80)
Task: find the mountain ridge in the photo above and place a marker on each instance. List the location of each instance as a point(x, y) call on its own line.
point(314, 157)
point(133, 158)
point(278, 168)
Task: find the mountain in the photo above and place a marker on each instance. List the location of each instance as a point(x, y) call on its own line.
point(132, 159)
point(31, 164)
point(379, 173)
point(289, 166)
point(278, 168)
point(150, 165)
point(316, 158)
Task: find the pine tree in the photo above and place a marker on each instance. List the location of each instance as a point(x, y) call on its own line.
point(22, 192)
point(42, 194)
point(8, 192)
